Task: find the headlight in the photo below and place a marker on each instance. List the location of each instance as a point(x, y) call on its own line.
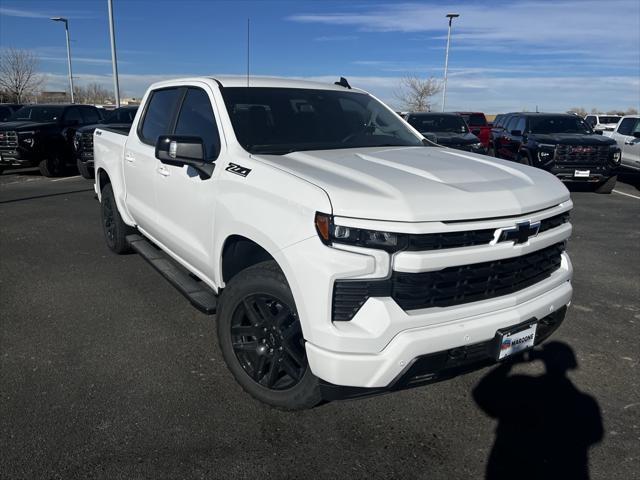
point(330, 233)
point(477, 146)
point(76, 143)
point(27, 138)
point(616, 157)
point(545, 155)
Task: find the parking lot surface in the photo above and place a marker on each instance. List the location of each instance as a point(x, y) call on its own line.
point(107, 372)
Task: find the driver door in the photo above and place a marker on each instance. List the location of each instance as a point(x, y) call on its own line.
point(186, 200)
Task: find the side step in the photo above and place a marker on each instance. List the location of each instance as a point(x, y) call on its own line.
point(197, 292)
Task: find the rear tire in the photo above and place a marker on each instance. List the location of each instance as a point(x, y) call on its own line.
point(261, 339)
point(114, 229)
point(607, 186)
point(84, 170)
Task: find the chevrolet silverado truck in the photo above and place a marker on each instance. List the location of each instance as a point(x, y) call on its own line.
point(627, 135)
point(343, 253)
point(563, 144)
point(42, 136)
point(119, 119)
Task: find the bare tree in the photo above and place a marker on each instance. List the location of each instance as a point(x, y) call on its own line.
point(415, 93)
point(631, 111)
point(18, 73)
point(578, 111)
point(91, 93)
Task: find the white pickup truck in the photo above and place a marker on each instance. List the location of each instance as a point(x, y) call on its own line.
point(627, 135)
point(343, 253)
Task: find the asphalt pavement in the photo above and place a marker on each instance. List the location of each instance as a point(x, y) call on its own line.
point(107, 372)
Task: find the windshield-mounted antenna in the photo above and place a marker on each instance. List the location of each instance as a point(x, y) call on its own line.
point(248, 30)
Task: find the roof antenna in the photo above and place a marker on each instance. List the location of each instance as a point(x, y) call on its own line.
point(248, 29)
point(343, 83)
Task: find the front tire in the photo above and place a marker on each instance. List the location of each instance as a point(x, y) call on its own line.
point(52, 166)
point(261, 339)
point(608, 185)
point(114, 229)
point(84, 171)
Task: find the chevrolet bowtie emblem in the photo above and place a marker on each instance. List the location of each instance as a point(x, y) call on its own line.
point(520, 233)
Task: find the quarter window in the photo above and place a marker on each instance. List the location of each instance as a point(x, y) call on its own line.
point(196, 119)
point(159, 115)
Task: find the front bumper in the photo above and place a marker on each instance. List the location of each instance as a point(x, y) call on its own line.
point(17, 156)
point(597, 173)
point(442, 365)
point(381, 370)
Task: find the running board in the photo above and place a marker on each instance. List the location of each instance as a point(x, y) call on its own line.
point(196, 291)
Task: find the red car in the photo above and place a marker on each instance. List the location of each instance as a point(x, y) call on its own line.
point(478, 125)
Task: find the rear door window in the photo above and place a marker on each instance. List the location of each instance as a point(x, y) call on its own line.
point(73, 115)
point(90, 115)
point(627, 126)
point(158, 119)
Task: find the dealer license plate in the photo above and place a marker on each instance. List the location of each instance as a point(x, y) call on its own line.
point(582, 173)
point(516, 339)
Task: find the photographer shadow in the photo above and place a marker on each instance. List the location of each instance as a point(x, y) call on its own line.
point(545, 424)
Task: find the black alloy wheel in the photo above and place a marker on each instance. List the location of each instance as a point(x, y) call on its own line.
point(267, 341)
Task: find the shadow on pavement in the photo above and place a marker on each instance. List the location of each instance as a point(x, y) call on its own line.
point(545, 424)
point(57, 194)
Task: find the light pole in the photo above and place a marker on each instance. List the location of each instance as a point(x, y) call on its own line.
point(114, 60)
point(66, 29)
point(450, 16)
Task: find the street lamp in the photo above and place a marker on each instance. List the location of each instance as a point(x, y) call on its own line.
point(450, 16)
point(114, 60)
point(66, 29)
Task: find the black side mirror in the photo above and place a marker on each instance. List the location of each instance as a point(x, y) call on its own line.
point(636, 134)
point(181, 150)
point(516, 133)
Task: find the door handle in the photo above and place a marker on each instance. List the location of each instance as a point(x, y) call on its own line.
point(163, 171)
point(129, 158)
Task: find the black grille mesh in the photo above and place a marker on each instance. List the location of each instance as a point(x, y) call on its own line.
point(451, 286)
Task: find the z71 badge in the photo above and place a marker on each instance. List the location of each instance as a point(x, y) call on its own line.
point(238, 170)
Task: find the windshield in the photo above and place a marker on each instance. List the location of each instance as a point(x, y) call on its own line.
point(558, 124)
point(438, 123)
point(283, 120)
point(121, 115)
point(474, 119)
point(609, 119)
point(37, 114)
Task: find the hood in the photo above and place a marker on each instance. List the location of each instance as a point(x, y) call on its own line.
point(454, 138)
point(25, 125)
point(419, 184)
point(573, 139)
point(91, 128)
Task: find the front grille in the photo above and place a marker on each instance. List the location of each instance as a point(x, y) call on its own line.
point(8, 140)
point(438, 241)
point(451, 286)
point(86, 145)
point(582, 155)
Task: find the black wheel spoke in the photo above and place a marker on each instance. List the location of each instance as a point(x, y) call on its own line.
point(251, 313)
point(292, 331)
point(245, 346)
point(294, 354)
point(290, 368)
point(264, 310)
point(258, 367)
point(246, 331)
point(274, 370)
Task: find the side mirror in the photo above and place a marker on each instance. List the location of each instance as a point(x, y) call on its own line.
point(181, 150)
point(476, 131)
point(432, 137)
point(516, 133)
point(636, 134)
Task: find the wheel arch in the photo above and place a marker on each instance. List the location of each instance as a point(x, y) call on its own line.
point(239, 253)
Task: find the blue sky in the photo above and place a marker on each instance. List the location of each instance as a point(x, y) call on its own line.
point(504, 56)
